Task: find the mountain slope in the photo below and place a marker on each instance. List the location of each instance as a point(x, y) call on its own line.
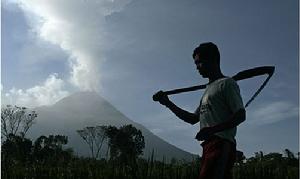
point(89, 109)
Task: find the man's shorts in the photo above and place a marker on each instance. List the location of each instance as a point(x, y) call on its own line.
point(217, 159)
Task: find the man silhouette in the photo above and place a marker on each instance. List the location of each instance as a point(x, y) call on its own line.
point(220, 111)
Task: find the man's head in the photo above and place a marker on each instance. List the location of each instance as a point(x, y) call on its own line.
point(207, 59)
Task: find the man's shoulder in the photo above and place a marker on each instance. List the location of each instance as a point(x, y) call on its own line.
point(223, 84)
point(227, 81)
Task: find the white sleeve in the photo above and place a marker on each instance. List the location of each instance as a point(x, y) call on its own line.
point(232, 96)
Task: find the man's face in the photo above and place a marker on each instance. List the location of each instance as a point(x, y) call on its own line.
point(203, 66)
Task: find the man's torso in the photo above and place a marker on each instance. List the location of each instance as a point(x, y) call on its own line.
point(219, 102)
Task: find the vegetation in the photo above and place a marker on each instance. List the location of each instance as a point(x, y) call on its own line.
point(269, 166)
point(125, 143)
point(16, 120)
point(94, 137)
point(51, 161)
point(47, 157)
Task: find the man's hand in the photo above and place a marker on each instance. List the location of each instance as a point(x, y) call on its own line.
point(204, 133)
point(162, 98)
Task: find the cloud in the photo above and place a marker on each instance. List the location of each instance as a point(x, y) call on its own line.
point(78, 27)
point(272, 113)
point(45, 94)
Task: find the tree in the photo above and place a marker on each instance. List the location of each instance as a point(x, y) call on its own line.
point(240, 157)
point(135, 141)
point(16, 120)
point(111, 133)
point(289, 154)
point(50, 149)
point(259, 155)
point(16, 149)
point(94, 137)
point(126, 143)
point(273, 156)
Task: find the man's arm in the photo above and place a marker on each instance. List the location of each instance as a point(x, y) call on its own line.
point(180, 113)
point(233, 121)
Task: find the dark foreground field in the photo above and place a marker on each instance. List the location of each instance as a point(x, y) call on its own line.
point(269, 166)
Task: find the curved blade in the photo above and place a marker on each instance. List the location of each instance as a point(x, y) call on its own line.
point(246, 74)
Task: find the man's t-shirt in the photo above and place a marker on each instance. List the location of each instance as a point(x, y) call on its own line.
point(220, 100)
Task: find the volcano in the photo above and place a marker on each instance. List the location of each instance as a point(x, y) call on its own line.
point(84, 109)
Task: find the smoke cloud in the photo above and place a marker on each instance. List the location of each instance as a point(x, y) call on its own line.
point(78, 27)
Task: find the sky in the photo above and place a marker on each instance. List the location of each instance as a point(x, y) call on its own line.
point(126, 50)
